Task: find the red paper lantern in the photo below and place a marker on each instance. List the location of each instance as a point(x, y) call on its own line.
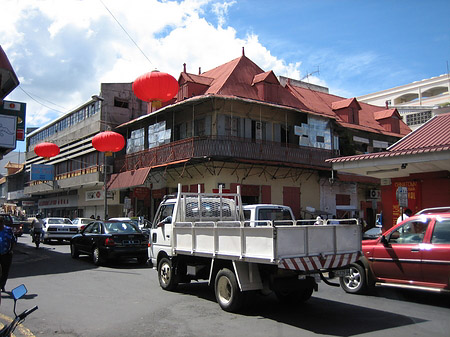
point(108, 142)
point(46, 150)
point(155, 87)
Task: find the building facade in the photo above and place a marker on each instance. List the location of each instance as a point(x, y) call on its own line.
point(416, 102)
point(238, 125)
point(75, 187)
point(233, 125)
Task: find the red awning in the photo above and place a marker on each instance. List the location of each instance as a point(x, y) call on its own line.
point(128, 178)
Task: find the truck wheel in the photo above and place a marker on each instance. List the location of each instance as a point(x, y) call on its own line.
point(166, 274)
point(356, 282)
point(228, 294)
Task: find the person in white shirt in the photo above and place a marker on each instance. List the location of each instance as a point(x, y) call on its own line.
point(406, 214)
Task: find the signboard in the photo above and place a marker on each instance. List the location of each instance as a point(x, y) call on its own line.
point(42, 172)
point(28, 203)
point(402, 196)
point(16, 109)
point(8, 131)
point(127, 203)
point(59, 202)
point(412, 197)
point(94, 195)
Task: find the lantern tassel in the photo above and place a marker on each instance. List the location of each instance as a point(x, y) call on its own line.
point(156, 104)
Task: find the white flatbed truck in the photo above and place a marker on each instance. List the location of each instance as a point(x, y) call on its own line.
point(203, 236)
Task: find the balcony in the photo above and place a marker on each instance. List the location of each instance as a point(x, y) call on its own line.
point(226, 148)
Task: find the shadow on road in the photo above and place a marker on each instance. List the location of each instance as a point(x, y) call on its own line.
point(46, 260)
point(320, 316)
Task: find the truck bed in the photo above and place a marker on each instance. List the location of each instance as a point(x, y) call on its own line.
point(294, 247)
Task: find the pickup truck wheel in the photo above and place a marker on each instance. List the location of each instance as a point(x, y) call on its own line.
point(228, 294)
point(166, 274)
point(356, 282)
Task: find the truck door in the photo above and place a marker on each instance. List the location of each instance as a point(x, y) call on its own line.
point(162, 229)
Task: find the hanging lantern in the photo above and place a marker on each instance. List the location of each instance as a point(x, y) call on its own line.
point(155, 87)
point(46, 150)
point(108, 142)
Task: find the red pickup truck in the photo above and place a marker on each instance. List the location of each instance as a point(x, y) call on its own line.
point(413, 254)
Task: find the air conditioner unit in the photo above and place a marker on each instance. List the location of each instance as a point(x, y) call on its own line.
point(374, 194)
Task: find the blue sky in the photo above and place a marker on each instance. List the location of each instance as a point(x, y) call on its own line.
point(62, 50)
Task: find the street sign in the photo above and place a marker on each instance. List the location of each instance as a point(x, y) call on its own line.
point(18, 110)
point(402, 196)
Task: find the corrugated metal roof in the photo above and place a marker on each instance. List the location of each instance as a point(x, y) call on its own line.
point(433, 134)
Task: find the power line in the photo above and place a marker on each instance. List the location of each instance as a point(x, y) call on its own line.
point(126, 32)
point(34, 99)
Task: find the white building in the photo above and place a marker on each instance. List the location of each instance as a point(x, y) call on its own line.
point(416, 102)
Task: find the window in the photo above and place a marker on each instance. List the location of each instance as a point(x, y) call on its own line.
point(441, 232)
point(136, 141)
point(418, 118)
point(120, 102)
point(411, 232)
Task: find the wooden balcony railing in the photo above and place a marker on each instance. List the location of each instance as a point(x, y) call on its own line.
point(225, 147)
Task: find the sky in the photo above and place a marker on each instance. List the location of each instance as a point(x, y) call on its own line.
point(62, 50)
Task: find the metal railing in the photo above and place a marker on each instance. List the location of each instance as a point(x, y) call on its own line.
point(225, 147)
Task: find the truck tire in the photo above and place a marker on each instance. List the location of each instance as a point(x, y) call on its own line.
point(356, 282)
point(226, 288)
point(166, 274)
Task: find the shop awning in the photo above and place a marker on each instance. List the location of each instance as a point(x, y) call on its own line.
point(128, 179)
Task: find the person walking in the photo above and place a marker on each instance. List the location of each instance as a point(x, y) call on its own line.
point(7, 242)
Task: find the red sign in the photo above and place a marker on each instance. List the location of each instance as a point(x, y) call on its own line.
point(413, 197)
point(141, 192)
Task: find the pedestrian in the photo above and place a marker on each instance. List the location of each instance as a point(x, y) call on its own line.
point(98, 218)
point(92, 216)
point(406, 214)
point(7, 242)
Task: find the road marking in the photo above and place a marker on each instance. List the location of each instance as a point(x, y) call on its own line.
point(23, 331)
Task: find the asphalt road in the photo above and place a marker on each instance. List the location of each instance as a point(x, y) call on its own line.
point(75, 298)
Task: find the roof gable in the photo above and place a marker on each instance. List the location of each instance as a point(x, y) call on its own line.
point(434, 134)
point(386, 114)
point(345, 103)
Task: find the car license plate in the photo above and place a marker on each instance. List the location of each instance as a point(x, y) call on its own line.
point(63, 229)
point(341, 272)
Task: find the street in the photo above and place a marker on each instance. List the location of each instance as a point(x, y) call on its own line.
point(76, 298)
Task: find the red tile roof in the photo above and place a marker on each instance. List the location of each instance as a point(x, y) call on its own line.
point(241, 77)
point(386, 114)
point(345, 103)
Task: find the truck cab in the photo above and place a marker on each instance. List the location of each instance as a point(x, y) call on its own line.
point(267, 214)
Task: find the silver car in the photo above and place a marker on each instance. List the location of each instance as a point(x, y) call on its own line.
point(58, 229)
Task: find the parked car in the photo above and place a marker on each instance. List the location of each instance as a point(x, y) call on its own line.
point(82, 222)
point(17, 225)
point(413, 254)
point(58, 228)
point(112, 239)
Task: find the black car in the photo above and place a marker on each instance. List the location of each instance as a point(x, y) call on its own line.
point(105, 240)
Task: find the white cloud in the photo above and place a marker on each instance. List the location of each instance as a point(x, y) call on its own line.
point(63, 50)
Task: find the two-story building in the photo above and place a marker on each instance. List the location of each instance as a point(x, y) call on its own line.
point(239, 125)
